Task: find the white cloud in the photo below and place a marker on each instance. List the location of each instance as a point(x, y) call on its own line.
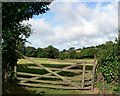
point(75, 24)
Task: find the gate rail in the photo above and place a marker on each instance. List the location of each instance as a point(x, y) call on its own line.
point(65, 82)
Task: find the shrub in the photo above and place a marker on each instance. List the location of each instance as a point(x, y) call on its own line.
point(109, 64)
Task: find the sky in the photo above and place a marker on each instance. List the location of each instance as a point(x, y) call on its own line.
point(74, 24)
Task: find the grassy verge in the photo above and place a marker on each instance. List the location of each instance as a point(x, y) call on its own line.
point(107, 88)
point(11, 88)
point(31, 91)
point(60, 91)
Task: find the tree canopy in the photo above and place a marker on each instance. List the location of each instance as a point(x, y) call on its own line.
point(13, 31)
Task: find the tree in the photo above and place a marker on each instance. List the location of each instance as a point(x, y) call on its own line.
point(52, 52)
point(20, 47)
point(64, 50)
point(71, 48)
point(41, 53)
point(13, 13)
point(63, 55)
point(109, 63)
point(72, 54)
point(77, 55)
point(30, 51)
point(118, 45)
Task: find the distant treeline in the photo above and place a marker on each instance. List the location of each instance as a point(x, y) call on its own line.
point(72, 53)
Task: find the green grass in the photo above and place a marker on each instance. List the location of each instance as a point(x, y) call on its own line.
point(108, 88)
point(30, 91)
point(43, 61)
point(79, 60)
point(52, 61)
point(60, 91)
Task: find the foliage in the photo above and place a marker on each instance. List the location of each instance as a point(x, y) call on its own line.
point(30, 51)
point(20, 47)
point(78, 55)
point(14, 32)
point(71, 49)
point(18, 11)
point(49, 52)
point(41, 53)
point(109, 63)
point(63, 55)
point(52, 52)
point(88, 53)
point(64, 50)
point(72, 54)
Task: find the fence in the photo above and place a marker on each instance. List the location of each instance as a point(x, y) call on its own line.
point(64, 76)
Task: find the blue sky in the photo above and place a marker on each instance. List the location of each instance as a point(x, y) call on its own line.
point(50, 14)
point(74, 24)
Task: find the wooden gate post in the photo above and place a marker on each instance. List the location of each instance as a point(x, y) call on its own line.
point(93, 73)
point(83, 77)
point(15, 71)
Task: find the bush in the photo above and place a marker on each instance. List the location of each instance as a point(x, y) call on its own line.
point(109, 64)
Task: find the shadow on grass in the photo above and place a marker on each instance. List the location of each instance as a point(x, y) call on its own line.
point(35, 71)
point(17, 90)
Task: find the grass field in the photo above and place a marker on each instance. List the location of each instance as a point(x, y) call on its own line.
point(23, 67)
point(53, 61)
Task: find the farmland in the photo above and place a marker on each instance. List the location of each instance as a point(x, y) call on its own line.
point(53, 61)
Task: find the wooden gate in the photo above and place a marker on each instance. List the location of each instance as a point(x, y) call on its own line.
point(74, 76)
